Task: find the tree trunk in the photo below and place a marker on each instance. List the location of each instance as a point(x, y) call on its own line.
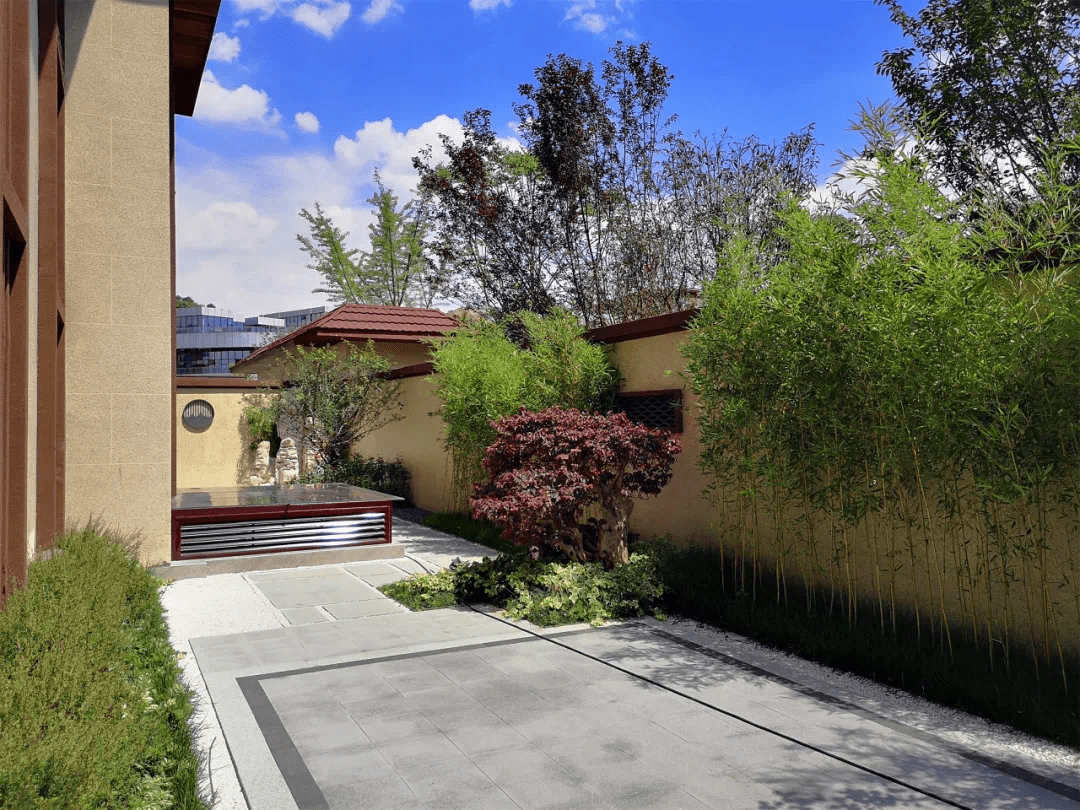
point(612, 538)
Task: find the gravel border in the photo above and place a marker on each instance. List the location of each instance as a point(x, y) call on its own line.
point(992, 739)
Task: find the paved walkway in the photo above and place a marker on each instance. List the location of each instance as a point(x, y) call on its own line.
point(329, 695)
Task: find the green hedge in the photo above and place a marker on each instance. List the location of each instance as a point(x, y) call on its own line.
point(93, 712)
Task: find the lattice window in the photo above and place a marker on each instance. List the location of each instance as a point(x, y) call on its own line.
point(661, 410)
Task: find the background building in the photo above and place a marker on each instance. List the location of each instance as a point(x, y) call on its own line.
point(210, 340)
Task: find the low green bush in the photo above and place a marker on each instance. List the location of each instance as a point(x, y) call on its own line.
point(544, 592)
point(93, 712)
point(378, 474)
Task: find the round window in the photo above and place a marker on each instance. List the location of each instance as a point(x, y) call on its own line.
point(198, 414)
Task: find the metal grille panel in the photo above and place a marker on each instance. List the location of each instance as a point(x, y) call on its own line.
point(661, 410)
point(282, 534)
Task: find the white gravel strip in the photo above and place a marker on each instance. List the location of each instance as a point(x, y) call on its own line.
point(991, 739)
point(214, 606)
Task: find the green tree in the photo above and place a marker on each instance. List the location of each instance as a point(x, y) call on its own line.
point(345, 280)
point(334, 396)
point(482, 375)
point(494, 221)
point(990, 84)
point(182, 301)
point(398, 266)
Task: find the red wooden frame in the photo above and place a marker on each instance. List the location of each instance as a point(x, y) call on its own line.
point(239, 514)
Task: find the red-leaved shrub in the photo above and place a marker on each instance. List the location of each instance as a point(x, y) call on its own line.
point(548, 469)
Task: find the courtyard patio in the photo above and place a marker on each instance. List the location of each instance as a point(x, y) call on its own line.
point(320, 692)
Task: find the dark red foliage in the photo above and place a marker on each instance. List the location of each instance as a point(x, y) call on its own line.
point(548, 469)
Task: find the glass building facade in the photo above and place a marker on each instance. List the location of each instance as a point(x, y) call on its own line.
point(210, 340)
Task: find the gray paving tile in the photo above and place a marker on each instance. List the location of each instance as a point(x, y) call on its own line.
point(589, 756)
point(385, 793)
point(304, 615)
point(452, 717)
point(419, 755)
point(480, 739)
point(370, 607)
point(293, 573)
point(549, 728)
point(373, 568)
point(492, 798)
point(390, 728)
point(378, 580)
point(340, 767)
point(427, 680)
point(552, 791)
point(409, 566)
point(448, 777)
point(312, 591)
point(522, 763)
point(362, 708)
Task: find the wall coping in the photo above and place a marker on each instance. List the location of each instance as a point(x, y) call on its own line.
point(643, 328)
point(235, 383)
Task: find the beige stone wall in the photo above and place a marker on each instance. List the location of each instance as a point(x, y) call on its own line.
point(219, 456)
point(119, 275)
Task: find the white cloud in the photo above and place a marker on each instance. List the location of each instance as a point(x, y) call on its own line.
point(378, 10)
point(237, 219)
point(593, 22)
point(224, 48)
point(306, 122)
point(597, 16)
point(484, 5)
point(264, 7)
point(243, 105)
point(379, 145)
point(324, 20)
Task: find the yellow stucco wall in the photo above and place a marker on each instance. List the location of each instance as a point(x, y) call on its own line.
point(680, 510)
point(221, 455)
point(118, 269)
point(417, 441)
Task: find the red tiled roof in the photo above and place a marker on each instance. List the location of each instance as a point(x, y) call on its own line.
point(362, 322)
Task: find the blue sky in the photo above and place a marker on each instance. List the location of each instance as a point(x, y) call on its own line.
point(303, 99)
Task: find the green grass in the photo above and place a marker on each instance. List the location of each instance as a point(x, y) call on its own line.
point(699, 583)
point(469, 528)
point(92, 709)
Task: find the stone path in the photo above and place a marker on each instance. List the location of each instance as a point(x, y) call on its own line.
point(329, 695)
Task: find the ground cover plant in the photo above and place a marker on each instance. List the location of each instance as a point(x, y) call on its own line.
point(548, 471)
point(92, 709)
point(482, 374)
point(545, 592)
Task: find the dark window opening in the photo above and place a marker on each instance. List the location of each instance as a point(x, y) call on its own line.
point(659, 410)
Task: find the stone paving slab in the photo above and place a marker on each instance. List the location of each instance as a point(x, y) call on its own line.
point(453, 708)
point(520, 722)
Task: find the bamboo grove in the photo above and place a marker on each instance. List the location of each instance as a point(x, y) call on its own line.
point(892, 418)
